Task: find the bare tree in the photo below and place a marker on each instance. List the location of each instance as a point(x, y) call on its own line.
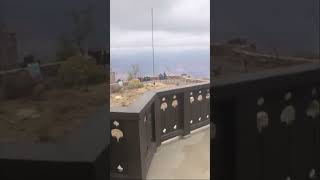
point(133, 74)
point(66, 48)
point(83, 21)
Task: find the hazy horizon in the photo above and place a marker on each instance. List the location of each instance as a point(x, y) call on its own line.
point(173, 61)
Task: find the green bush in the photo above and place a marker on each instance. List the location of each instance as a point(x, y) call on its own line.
point(135, 83)
point(80, 71)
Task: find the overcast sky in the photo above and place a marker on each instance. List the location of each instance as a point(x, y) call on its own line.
point(38, 24)
point(291, 26)
point(176, 23)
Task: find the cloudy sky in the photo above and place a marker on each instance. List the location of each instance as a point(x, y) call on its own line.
point(176, 23)
point(291, 26)
point(38, 24)
point(181, 27)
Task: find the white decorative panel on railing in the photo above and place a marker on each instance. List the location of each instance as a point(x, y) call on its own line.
point(120, 168)
point(117, 133)
point(191, 99)
point(288, 96)
point(164, 106)
point(262, 120)
point(260, 101)
point(313, 110)
point(288, 115)
point(116, 123)
point(208, 94)
point(312, 174)
point(174, 103)
point(164, 130)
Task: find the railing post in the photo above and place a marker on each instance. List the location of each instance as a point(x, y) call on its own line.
point(186, 113)
point(223, 145)
point(157, 120)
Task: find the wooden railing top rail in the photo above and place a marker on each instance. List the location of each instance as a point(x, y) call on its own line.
point(22, 69)
point(262, 55)
point(266, 81)
point(139, 105)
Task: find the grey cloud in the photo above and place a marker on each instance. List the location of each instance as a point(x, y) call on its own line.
point(180, 21)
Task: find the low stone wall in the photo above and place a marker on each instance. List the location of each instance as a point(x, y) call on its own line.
point(114, 87)
point(47, 70)
point(271, 58)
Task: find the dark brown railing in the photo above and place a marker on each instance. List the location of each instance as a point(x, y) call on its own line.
point(137, 130)
point(267, 125)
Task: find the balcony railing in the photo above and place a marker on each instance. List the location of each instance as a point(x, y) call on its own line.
point(137, 130)
point(267, 125)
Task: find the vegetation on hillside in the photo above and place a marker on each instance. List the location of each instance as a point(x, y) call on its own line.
point(80, 71)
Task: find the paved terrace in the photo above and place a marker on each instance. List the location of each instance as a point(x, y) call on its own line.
point(183, 158)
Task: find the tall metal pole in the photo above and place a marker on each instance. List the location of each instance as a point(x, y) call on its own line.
point(152, 47)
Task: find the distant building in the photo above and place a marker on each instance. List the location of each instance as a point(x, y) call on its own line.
point(8, 49)
point(112, 76)
point(185, 75)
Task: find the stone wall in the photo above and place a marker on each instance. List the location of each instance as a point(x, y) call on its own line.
point(17, 81)
point(114, 87)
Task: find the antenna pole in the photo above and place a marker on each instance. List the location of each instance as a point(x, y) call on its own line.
point(152, 47)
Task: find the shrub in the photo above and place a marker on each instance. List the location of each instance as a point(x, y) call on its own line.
point(135, 83)
point(134, 72)
point(17, 84)
point(80, 71)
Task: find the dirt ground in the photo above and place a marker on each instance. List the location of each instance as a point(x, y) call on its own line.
point(53, 115)
point(126, 96)
point(58, 112)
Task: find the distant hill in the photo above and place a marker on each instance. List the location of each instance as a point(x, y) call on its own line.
point(39, 24)
point(291, 26)
point(193, 61)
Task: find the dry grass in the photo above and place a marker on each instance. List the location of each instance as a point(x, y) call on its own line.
point(55, 114)
point(127, 95)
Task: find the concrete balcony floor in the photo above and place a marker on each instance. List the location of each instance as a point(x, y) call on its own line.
point(183, 158)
